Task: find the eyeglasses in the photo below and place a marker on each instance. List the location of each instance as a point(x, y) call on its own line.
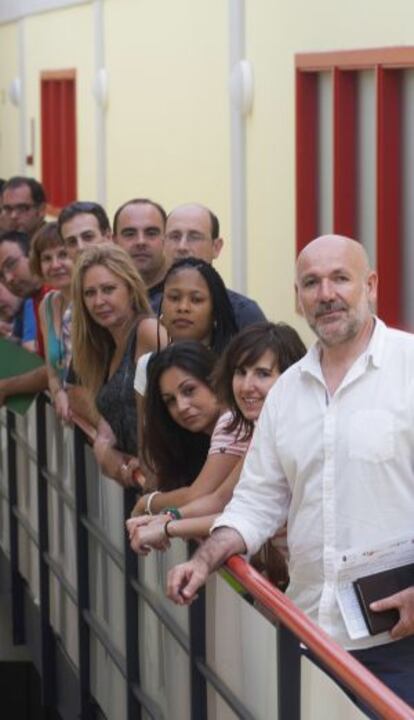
point(19, 209)
point(176, 236)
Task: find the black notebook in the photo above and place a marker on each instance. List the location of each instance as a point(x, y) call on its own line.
point(377, 587)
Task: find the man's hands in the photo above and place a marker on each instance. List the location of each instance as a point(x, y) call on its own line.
point(184, 580)
point(404, 602)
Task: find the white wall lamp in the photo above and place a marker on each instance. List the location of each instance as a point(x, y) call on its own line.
point(15, 91)
point(100, 88)
point(242, 86)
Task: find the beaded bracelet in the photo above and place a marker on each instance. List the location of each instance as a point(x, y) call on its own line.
point(174, 512)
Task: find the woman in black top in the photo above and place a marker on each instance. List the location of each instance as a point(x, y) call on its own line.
point(112, 327)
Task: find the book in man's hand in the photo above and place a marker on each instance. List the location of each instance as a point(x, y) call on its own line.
point(379, 586)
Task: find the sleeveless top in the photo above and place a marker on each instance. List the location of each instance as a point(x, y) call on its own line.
point(116, 400)
point(55, 345)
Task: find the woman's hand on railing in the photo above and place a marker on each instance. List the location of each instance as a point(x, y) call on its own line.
point(148, 532)
point(115, 464)
point(62, 407)
point(130, 472)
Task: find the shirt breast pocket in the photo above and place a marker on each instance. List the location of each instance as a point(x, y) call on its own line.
point(372, 435)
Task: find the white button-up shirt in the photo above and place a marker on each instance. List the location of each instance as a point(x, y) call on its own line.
point(339, 470)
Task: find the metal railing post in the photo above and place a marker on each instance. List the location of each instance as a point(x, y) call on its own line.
point(47, 642)
point(131, 617)
point(17, 582)
point(288, 674)
point(82, 571)
point(197, 612)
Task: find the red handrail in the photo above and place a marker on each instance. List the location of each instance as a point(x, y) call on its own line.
point(348, 670)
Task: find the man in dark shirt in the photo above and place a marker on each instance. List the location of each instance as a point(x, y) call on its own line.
point(139, 228)
point(194, 230)
point(23, 205)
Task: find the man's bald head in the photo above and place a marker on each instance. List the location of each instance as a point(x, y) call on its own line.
point(350, 251)
point(335, 287)
point(192, 230)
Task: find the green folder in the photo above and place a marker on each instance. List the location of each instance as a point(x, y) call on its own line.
point(15, 360)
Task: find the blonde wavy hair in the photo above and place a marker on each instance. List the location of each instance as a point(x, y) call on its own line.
point(93, 345)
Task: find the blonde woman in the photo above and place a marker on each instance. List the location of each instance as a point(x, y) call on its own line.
point(112, 326)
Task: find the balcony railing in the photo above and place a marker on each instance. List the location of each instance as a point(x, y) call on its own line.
point(100, 630)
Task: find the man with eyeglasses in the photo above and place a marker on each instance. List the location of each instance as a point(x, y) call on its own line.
point(23, 205)
point(194, 230)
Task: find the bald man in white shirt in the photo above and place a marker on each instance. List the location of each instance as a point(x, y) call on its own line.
point(333, 456)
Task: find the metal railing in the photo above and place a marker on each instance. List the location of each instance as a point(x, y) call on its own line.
point(103, 636)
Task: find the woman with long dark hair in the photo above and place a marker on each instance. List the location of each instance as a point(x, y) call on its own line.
point(253, 361)
point(183, 441)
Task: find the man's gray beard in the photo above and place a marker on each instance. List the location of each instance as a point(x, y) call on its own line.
point(351, 331)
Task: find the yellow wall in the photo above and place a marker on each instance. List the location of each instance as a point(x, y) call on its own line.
point(9, 114)
point(168, 114)
point(274, 33)
point(62, 40)
point(168, 106)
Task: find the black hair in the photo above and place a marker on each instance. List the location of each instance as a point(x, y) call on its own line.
point(173, 454)
point(36, 188)
point(224, 321)
point(139, 201)
point(89, 208)
point(18, 237)
point(245, 349)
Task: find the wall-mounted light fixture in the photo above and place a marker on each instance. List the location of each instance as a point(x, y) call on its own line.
point(100, 87)
point(241, 86)
point(15, 91)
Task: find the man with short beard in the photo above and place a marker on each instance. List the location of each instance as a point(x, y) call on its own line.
point(333, 456)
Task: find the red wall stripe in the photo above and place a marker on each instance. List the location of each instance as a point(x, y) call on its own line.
point(389, 193)
point(58, 135)
point(306, 158)
point(345, 153)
